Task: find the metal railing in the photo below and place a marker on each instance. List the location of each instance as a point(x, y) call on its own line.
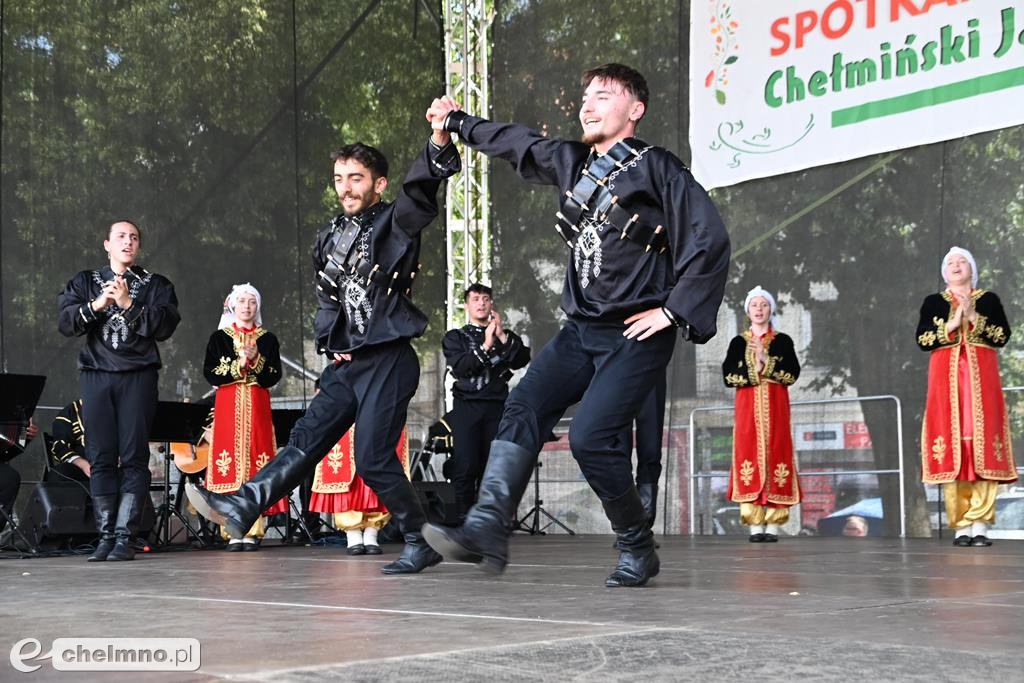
point(692, 436)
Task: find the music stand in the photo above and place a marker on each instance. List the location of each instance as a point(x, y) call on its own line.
point(19, 395)
point(175, 423)
point(537, 510)
point(284, 421)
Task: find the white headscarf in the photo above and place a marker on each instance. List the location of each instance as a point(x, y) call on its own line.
point(227, 318)
point(970, 259)
point(758, 291)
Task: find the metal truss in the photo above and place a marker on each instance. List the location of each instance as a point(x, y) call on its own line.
point(467, 78)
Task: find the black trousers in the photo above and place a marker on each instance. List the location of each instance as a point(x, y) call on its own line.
point(650, 423)
point(474, 424)
point(610, 376)
point(372, 391)
point(117, 412)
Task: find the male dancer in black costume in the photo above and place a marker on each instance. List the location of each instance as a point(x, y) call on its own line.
point(123, 311)
point(365, 262)
point(481, 356)
point(648, 252)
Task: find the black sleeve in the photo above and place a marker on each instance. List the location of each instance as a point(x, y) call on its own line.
point(463, 357)
point(75, 316)
point(931, 326)
point(67, 443)
point(268, 363)
point(991, 328)
point(416, 203)
point(221, 365)
point(534, 157)
point(157, 316)
point(327, 307)
point(735, 371)
point(782, 365)
point(514, 353)
point(700, 256)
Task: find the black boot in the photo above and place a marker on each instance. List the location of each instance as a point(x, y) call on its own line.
point(649, 497)
point(638, 562)
point(404, 507)
point(483, 537)
point(238, 511)
point(129, 512)
point(104, 510)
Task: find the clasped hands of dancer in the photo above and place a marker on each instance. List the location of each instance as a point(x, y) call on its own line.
point(494, 330)
point(965, 309)
point(114, 292)
point(641, 325)
point(247, 353)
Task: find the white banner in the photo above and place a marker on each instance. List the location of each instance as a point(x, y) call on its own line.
point(782, 86)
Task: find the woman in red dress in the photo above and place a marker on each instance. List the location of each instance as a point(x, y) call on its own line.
point(965, 438)
point(243, 361)
point(760, 364)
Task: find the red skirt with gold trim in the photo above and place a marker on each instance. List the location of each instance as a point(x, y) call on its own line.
point(965, 434)
point(243, 439)
point(337, 487)
point(763, 464)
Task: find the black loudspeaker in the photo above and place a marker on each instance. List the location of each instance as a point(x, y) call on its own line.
point(438, 501)
point(61, 513)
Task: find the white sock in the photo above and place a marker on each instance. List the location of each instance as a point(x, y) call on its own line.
point(979, 529)
point(756, 529)
point(772, 529)
point(354, 537)
point(250, 539)
point(370, 536)
point(233, 541)
point(964, 531)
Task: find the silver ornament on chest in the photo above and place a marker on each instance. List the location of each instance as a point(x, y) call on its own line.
point(587, 252)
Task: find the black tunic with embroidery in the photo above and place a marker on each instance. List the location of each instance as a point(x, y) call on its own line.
point(369, 302)
point(991, 329)
point(482, 374)
point(222, 365)
point(119, 340)
point(610, 278)
point(782, 366)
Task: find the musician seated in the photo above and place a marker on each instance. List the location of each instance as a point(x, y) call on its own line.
point(10, 480)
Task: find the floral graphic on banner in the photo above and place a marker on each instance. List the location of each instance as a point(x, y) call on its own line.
point(730, 138)
point(723, 29)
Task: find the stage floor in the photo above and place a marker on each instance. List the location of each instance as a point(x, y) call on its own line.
point(721, 609)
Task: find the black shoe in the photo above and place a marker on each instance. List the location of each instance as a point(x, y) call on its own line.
point(962, 541)
point(234, 547)
point(770, 538)
point(756, 538)
point(483, 537)
point(250, 546)
point(105, 513)
point(124, 551)
point(980, 541)
point(357, 549)
point(404, 506)
point(373, 549)
point(238, 511)
point(638, 562)
point(129, 512)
